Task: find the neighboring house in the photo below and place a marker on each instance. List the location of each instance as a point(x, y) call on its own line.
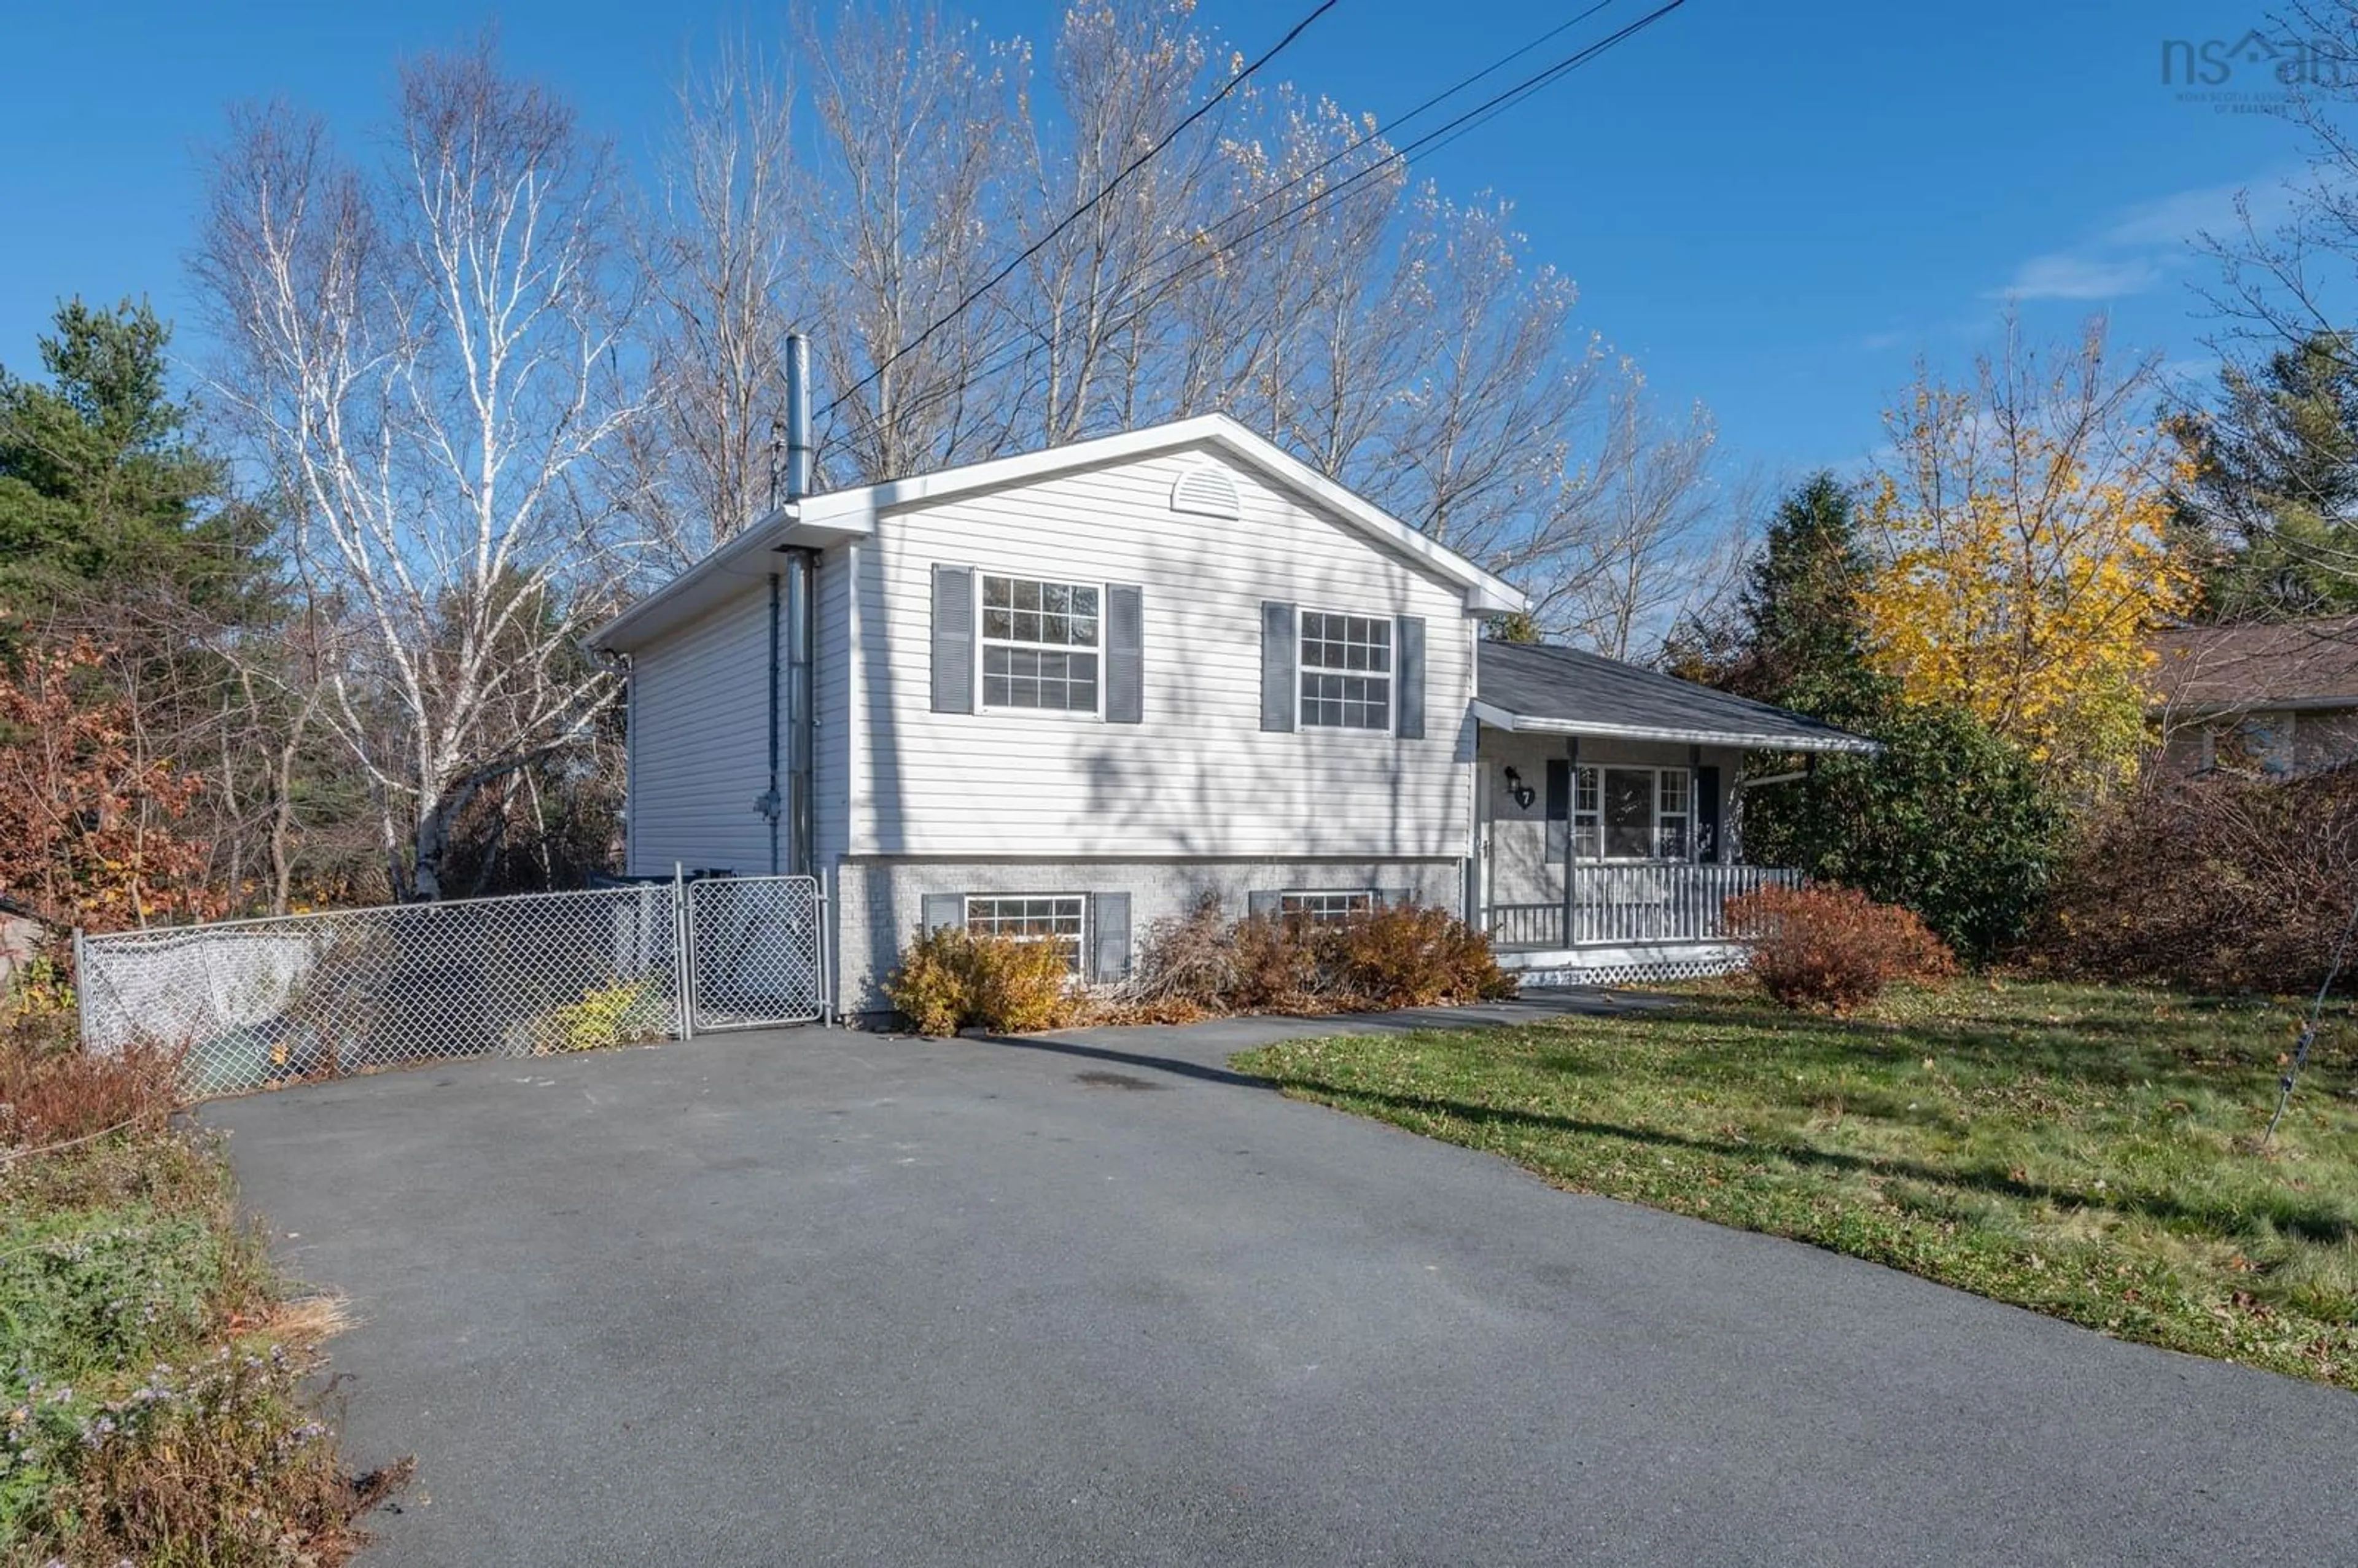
point(1074, 692)
point(2278, 698)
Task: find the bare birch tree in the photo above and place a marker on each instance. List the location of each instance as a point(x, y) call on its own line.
point(426, 354)
point(717, 253)
point(917, 114)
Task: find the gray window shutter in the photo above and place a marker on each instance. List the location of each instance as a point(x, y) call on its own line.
point(1706, 788)
point(1258, 903)
point(1109, 936)
point(1559, 810)
point(1125, 628)
point(1279, 647)
point(944, 909)
point(1386, 897)
point(1408, 674)
point(953, 640)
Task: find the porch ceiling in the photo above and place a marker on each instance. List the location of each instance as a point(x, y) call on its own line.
point(1539, 688)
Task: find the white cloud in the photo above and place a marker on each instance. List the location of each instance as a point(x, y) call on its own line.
point(2066, 275)
point(2139, 247)
point(2184, 216)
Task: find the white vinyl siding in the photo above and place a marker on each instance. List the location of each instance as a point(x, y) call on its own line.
point(1199, 776)
point(699, 751)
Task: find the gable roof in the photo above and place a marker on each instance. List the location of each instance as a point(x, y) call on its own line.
point(2306, 663)
point(1557, 690)
point(819, 521)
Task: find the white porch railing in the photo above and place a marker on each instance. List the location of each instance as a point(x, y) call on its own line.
point(1617, 904)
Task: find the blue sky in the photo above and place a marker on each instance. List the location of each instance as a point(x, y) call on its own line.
point(1774, 208)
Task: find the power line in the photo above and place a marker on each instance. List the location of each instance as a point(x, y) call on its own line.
point(1075, 216)
point(1472, 119)
point(1020, 339)
point(1440, 136)
point(1387, 126)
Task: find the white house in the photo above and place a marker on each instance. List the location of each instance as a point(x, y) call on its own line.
point(1075, 691)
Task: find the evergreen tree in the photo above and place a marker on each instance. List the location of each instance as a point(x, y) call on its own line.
point(103, 492)
point(1800, 642)
point(2271, 506)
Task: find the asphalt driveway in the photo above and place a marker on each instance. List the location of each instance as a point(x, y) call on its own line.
point(815, 1297)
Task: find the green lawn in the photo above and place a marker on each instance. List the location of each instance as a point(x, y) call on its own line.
point(2088, 1152)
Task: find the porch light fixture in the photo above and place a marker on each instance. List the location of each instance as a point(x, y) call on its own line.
point(1520, 791)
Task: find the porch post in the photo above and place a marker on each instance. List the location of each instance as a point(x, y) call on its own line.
point(1572, 844)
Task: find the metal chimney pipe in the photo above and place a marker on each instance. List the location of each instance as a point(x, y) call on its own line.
point(798, 416)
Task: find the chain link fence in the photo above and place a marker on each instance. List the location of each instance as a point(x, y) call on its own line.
point(255, 1003)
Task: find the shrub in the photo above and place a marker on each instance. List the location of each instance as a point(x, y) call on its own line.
point(1392, 956)
point(1186, 959)
point(2220, 883)
point(1281, 966)
point(606, 1015)
point(1407, 954)
point(52, 1091)
point(1832, 948)
point(950, 980)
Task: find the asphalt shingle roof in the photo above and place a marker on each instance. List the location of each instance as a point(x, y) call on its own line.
point(2296, 660)
point(1585, 692)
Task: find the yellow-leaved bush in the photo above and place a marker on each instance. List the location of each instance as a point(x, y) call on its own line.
point(2024, 559)
point(951, 978)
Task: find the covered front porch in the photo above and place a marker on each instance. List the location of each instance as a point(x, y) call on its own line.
point(1610, 813)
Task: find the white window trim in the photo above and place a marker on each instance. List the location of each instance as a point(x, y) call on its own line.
point(1654, 830)
point(1080, 715)
point(1302, 666)
point(1080, 943)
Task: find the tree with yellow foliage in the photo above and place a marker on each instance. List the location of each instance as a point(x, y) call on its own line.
point(2022, 555)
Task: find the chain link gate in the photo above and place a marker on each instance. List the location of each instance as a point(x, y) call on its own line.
point(756, 952)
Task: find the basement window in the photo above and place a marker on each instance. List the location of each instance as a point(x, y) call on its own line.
point(1031, 918)
point(1325, 908)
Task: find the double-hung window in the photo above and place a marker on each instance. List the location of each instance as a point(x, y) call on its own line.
point(1347, 671)
point(1633, 814)
point(1673, 815)
point(1041, 643)
point(1031, 918)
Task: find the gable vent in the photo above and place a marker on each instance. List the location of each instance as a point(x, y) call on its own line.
point(1208, 492)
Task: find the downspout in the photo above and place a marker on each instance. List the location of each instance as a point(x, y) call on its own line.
point(802, 718)
point(768, 805)
point(802, 581)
